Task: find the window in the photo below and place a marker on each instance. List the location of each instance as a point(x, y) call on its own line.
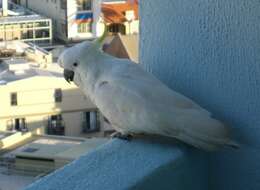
point(17, 2)
point(41, 24)
point(43, 33)
point(84, 5)
point(91, 122)
point(117, 28)
point(63, 4)
point(64, 28)
point(13, 97)
point(56, 125)
point(20, 124)
point(84, 27)
point(58, 95)
point(27, 34)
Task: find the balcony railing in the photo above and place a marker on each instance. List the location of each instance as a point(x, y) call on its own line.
point(85, 129)
point(57, 128)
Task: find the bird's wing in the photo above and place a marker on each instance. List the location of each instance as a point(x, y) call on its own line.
point(132, 77)
point(138, 102)
point(118, 101)
point(134, 92)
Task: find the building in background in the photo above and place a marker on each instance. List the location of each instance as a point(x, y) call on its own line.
point(73, 20)
point(27, 156)
point(42, 154)
point(124, 46)
point(34, 93)
point(18, 23)
point(121, 16)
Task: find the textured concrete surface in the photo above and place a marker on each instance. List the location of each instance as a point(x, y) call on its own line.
point(139, 164)
point(209, 50)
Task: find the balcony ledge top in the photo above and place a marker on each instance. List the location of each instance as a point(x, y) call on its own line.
point(115, 165)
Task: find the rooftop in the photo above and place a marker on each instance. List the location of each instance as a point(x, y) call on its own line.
point(24, 18)
point(38, 155)
point(26, 62)
point(81, 149)
point(18, 13)
point(44, 147)
point(32, 70)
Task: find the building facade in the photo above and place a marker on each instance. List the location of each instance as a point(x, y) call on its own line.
point(61, 108)
point(34, 95)
point(121, 16)
point(73, 20)
point(18, 23)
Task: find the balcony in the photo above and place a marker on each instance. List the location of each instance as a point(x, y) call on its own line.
point(56, 128)
point(140, 164)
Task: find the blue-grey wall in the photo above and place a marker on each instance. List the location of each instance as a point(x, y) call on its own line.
point(142, 164)
point(209, 50)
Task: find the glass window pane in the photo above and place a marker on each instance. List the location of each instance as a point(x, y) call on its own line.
point(13, 97)
point(44, 33)
point(84, 5)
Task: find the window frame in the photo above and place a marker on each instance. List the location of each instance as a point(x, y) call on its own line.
point(58, 95)
point(82, 4)
point(87, 29)
point(86, 124)
point(13, 99)
point(20, 124)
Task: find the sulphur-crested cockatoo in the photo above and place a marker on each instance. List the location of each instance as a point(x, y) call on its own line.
point(135, 102)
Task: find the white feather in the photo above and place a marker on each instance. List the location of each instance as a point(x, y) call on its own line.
point(134, 101)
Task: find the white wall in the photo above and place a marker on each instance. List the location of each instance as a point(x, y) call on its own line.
point(60, 16)
point(35, 97)
point(52, 10)
point(97, 27)
point(132, 27)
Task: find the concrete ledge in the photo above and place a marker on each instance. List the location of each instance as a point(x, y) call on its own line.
point(16, 138)
point(139, 164)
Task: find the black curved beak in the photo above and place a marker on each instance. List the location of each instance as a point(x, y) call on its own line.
point(68, 75)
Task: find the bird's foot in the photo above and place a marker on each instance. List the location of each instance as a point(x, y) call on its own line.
point(122, 136)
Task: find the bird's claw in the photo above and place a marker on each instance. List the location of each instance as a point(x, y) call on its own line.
point(127, 137)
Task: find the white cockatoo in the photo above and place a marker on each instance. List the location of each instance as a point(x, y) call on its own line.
point(135, 102)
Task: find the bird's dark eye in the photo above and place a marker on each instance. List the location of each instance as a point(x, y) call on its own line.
point(75, 64)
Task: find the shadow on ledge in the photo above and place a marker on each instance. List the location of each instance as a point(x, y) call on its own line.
point(138, 164)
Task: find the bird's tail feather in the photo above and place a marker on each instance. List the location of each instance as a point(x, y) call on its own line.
point(206, 145)
point(198, 143)
point(205, 133)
